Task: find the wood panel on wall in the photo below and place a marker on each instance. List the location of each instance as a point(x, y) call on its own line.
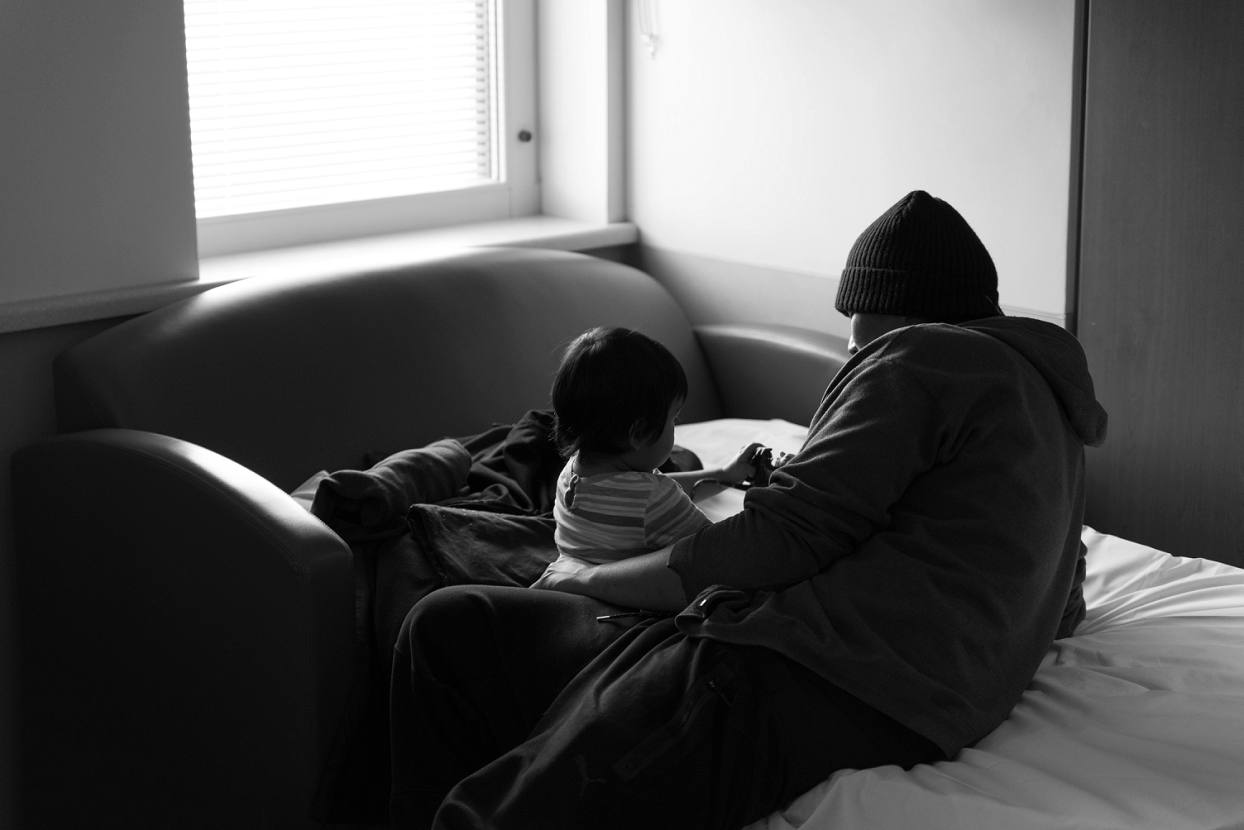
point(1161, 276)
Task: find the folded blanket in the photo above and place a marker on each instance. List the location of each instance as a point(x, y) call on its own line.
point(361, 504)
point(472, 509)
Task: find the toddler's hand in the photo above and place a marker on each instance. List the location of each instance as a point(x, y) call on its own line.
point(743, 467)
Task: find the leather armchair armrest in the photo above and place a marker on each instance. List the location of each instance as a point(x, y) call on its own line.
point(186, 636)
point(771, 371)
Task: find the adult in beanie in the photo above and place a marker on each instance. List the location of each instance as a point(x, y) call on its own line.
point(885, 600)
point(920, 258)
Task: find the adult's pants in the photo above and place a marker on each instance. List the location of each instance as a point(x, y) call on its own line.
point(517, 708)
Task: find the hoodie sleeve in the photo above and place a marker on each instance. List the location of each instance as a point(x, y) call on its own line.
point(877, 428)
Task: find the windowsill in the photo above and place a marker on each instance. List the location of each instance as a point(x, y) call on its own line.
point(361, 254)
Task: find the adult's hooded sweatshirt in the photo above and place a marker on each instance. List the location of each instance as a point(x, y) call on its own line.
point(922, 550)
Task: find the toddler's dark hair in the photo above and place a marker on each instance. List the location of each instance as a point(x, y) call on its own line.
point(612, 383)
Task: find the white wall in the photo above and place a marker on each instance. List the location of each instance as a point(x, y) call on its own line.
point(765, 136)
point(581, 74)
point(95, 188)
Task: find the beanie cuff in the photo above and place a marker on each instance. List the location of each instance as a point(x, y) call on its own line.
point(935, 296)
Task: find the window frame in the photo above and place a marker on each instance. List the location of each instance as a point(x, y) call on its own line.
point(515, 194)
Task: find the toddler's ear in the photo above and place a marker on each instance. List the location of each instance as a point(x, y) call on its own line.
point(638, 438)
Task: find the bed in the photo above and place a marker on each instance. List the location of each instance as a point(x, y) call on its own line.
point(1135, 722)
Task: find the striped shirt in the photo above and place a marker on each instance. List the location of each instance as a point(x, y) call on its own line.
point(612, 516)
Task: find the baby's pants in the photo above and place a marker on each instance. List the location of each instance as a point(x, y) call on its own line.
point(515, 708)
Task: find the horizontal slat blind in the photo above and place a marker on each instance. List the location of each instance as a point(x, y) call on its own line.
point(295, 103)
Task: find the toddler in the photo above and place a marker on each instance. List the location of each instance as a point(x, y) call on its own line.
point(616, 397)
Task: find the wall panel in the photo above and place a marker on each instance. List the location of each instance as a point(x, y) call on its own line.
point(1161, 293)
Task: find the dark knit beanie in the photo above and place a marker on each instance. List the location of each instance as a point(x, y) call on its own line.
point(919, 258)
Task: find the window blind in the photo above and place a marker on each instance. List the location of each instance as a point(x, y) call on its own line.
point(295, 103)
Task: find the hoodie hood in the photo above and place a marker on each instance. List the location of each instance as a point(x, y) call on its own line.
point(1058, 356)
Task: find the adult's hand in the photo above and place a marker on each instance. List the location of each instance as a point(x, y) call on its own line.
point(643, 581)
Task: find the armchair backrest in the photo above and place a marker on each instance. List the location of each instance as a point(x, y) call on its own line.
point(289, 376)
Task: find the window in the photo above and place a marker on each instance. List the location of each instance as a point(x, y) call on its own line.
point(320, 119)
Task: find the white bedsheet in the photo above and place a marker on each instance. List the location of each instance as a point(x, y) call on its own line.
point(1136, 722)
